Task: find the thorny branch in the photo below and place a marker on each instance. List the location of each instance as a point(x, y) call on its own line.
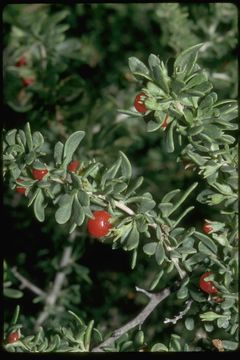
point(26, 283)
point(180, 315)
point(155, 300)
point(53, 294)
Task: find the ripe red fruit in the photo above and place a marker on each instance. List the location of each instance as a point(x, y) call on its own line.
point(13, 337)
point(20, 189)
point(207, 286)
point(27, 81)
point(99, 226)
point(139, 102)
point(39, 174)
point(72, 167)
point(21, 62)
point(207, 228)
point(165, 124)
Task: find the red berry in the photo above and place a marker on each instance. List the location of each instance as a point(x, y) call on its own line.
point(21, 62)
point(20, 189)
point(165, 124)
point(38, 174)
point(207, 286)
point(72, 167)
point(99, 226)
point(13, 337)
point(207, 228)
point(139, 103)
point(27, 81)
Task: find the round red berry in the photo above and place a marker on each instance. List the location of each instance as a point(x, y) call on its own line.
point(99, 226)
point(13, 337)
point(139, 103)
point(20, 189)
point(39, 174)
point(27, 81)
point(207, 228)
point(21, 62)
point(207, 286)
point(73, 166)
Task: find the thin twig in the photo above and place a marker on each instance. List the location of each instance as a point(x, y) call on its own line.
point(26, 283)
point(54, 292)
point(155, 300)
point(180, 315)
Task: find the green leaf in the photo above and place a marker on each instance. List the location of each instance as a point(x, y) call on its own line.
point(209, 316)
point(12, 293)
point(11, 136)
point(15, 315)
point(197, 79)
point(170, 195)
point(111, 172)
point(28, 134)
point(83, 198)
point(137, 66)
point(153, 126)
point(169, 137)
point(159, 347)
point(186, 60)
point(165, 208)
point(182, 292)
point(139, 338)
point(183, 197)
point(39, 207)
point(156, 280)
point(146, 205)
point(58, 152)
point(38, 139)
point(150, 248)
point(134, 185)
point(125, 166)
point(64, 212)
point(230, 345)
point(78, 213)
point(189, 323)
point(133, 239)
point(174, 344)
point(72, 144)
point(160, 254)
point(87, 336)
point(207, 241)
point(134, 259)
point(213, 131)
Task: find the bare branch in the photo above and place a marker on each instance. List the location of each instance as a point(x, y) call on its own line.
point(155, 300)
point(26, 283)
point(180, 315)
point(147, 293)
point(54, 292)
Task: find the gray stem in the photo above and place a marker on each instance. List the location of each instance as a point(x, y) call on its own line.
point(26, 283)
point(155, 300)
point(54, 292)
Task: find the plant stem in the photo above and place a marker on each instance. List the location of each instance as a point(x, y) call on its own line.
point(26, 283)
point(55, 290)
point(155, 300)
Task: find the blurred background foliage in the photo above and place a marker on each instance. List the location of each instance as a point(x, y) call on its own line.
point(78, 57)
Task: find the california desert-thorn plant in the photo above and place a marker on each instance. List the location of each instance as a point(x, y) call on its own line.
point(195, 268)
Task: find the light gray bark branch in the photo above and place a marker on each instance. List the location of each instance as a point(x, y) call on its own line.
point(155, 300)
point(27, 284)
point(55, 290)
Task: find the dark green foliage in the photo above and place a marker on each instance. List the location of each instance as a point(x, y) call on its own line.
point(160, 175)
